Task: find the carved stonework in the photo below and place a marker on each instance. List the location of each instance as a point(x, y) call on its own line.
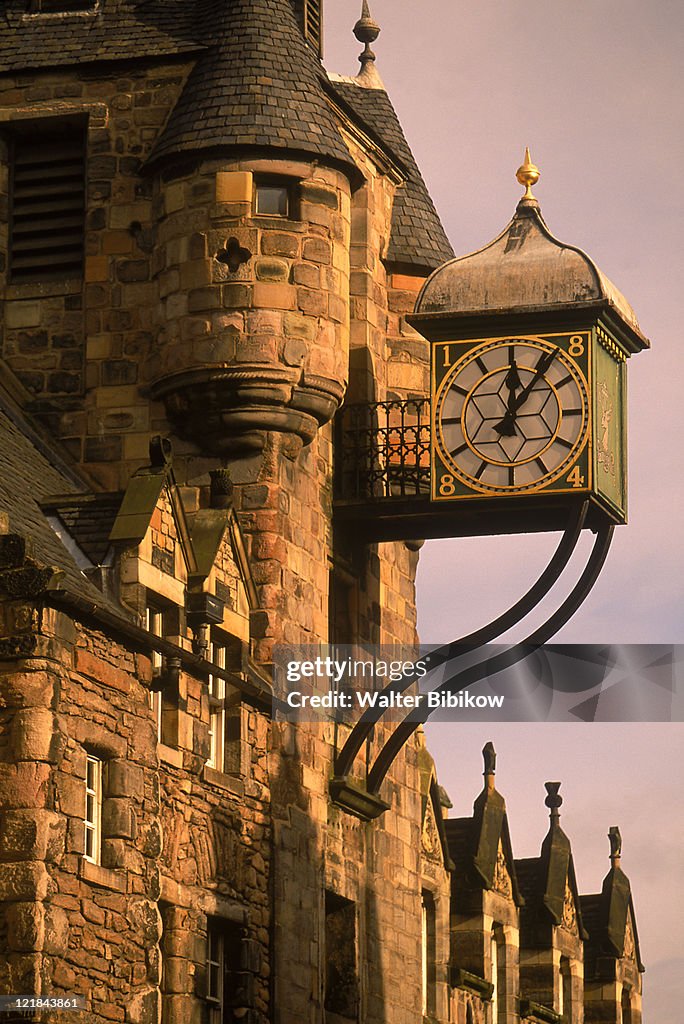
point(502, 879)
point(430, 835)
point(629, 952)
point(569, 920)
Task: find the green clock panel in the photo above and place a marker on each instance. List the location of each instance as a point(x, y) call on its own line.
point(609, 452)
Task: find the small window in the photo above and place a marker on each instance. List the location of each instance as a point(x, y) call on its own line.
point(273, 200)
point(47, 200)
point(224, 956)
point(217, 708)
point(93, 809)
point(341, 972)
point(429, 954)
point(154, 624)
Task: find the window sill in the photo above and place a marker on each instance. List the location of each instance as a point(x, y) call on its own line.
point(106, 878)
point(44, 289)
point(223, 781)
point(170, 755)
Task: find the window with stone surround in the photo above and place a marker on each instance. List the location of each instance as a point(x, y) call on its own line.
point(47, 198)
point(276, 197)
point(161, 620)
point(228, 715)
point(429, 954)
point(341, 971)
point(226, 996)
point(92, 817)
point(497, 975)
point(217, 706)
point(565, 991)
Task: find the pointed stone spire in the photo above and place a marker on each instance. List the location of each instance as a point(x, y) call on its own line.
point(367, 31)
point(615, 840)
point(553, 801)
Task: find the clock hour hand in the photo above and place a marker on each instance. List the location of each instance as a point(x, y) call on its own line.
point(513, 383)
point(506, 426)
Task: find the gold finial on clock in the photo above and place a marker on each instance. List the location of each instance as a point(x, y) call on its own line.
point(528, 174)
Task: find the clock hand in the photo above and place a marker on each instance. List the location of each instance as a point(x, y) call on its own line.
point(506, 426)
point(512, 382)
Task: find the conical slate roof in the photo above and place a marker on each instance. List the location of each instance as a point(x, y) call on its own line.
point(417, 237)
point(258, 85)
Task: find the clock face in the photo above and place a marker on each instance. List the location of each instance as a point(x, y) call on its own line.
point(511, 415)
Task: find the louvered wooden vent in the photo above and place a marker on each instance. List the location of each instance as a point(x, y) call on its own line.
point(310, 19)
point(60, 6)
point(47, 204)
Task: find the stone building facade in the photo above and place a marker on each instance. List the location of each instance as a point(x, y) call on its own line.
point(207, 244)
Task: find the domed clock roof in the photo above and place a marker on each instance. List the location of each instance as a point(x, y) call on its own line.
point(524, 268)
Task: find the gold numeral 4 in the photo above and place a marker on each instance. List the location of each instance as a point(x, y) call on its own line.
point(575, 478)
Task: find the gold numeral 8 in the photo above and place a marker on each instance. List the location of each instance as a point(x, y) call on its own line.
point(576, 347)
point(446, 486)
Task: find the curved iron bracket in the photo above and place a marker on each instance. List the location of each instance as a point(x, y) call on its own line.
point(486, 634)
point(499, 662)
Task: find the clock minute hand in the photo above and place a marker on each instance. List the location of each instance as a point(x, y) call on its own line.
point(506, 426)
point(512, 382)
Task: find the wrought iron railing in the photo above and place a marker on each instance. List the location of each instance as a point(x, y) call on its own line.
point(383, 450)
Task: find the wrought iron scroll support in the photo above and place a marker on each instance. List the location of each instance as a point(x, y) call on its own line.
point(498, 663)
point(473, 641)
point(486, 634)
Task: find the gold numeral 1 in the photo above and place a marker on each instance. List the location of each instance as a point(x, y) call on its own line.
point(447, 356)
point(575, 478)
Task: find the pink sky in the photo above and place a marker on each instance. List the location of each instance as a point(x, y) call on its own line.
point(594, 88)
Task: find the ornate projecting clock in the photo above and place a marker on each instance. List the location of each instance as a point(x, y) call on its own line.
point(511, 415)
point(529, 343)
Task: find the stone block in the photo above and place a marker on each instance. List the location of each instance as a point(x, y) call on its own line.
point(272, 270)
point(297, 326)
point(144, 1007)
point(36, 736)
point(318, 250)
point(23, 784)
point(278, 243)
point(133, 270)
point(26, 927)
point(22, 314)
point(96, 268)
point(124, 779)
point(174, 197)
point(234, 187)
point(26, 881)
point(304, 273)
point(275, 296)
point(294, 351)
point(320, 195)
point(315, 303)
point(236, 295)
point(118, 820)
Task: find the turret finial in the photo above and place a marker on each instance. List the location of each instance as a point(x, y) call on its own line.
point(367, 31)
point(528, 175)
point(615, 846)
point(553, 800)
point(489, 755)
